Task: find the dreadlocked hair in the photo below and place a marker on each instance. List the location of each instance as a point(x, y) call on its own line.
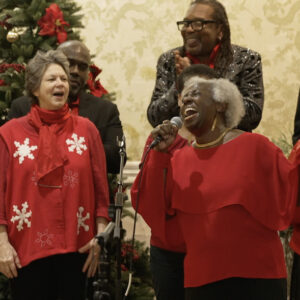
point(225, 54)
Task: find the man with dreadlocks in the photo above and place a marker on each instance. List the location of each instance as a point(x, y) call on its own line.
point(206, 39)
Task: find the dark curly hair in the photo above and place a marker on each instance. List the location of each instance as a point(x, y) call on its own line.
point(225, 53)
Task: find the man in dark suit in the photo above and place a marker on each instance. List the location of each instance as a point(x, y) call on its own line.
point(103, 113)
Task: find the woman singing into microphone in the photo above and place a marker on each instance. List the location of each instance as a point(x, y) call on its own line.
point(228, 193)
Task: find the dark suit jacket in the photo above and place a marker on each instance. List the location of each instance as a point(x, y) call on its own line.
point(103, 113)
point(296, 134)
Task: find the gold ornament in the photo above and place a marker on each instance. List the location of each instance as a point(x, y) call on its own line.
point(12, 36)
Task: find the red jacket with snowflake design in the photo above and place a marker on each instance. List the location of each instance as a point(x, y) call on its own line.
point(43, 221)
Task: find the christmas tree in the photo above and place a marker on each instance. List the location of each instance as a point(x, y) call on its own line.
point(25, 27)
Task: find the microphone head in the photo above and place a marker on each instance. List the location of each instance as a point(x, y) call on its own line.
point(177, 122)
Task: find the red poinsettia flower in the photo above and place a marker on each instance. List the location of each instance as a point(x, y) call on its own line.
point(52, 23)
point(2, 82)
point(124, 268)
point(94, 71)
point(6, 25)
point(94, 85)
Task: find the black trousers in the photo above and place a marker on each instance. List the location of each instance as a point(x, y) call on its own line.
point(167, 274)
point(240, 289)
point(51, 278)
point(295, 280)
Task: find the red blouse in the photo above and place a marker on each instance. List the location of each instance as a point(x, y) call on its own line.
point(230, 201)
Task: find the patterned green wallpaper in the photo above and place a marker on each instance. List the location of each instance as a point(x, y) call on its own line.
point(127, 37)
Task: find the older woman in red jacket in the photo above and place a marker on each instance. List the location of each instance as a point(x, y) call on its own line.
point(53, 190)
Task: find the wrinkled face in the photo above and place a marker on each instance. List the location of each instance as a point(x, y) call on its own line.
point(53, 91)
point(201, 43)
point(197, 107)
point(79, 59)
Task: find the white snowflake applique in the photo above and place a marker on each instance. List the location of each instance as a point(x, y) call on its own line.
point(24, 150)
point(81, 220)
point(71, 178)
point(44, 238)
point(76, 144)
point(22, 216)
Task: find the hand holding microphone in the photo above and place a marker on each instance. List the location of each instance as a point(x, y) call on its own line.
point(165, 134)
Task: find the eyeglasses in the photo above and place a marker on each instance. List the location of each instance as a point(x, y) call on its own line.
point(196, 25)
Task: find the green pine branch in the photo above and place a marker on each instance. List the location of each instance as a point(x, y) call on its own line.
point(22, 16)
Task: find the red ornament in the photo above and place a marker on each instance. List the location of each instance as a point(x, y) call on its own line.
point(94, 85)
point(52, 23)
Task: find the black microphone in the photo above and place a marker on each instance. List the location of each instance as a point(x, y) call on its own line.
point(176, 121)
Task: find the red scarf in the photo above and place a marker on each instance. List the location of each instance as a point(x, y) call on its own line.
point(211, 60)
point(74, 106)
point(51, 157)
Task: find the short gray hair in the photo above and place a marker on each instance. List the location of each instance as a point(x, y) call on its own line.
point(38, 65)
point(224, 91)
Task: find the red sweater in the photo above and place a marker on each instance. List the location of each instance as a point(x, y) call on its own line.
point(45, 221)
point(230, 201)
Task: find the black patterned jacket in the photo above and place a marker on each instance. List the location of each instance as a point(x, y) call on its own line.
point(245, 71)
